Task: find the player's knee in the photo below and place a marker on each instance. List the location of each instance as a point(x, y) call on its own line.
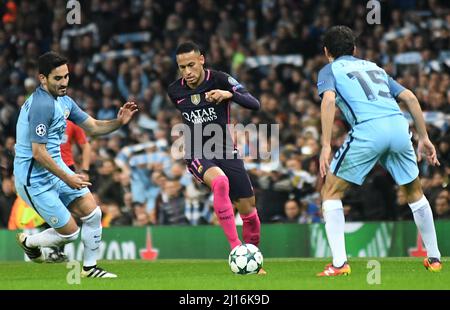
point(331, 191)
point(327, 191)
point(413, 191)
point(71, 237)
point(95, 217)
point(414, 196)
point(221, 185)
point(323, 192)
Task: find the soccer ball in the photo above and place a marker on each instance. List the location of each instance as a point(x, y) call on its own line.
point(245, 259)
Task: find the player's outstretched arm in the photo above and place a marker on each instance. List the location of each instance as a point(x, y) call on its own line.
point(410, 100)
point(243, 99)
point(94, 127)
point(246, 100)
point(424, 146)
point(327, 111)
point(41, 155)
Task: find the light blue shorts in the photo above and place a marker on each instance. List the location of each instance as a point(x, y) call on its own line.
point(386, 140)
point(51, 204)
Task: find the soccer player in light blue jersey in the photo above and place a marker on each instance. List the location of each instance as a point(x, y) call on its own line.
point(368, 97)
point(44, 181)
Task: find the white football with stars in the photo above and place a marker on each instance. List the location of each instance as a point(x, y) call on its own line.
point(245, 259)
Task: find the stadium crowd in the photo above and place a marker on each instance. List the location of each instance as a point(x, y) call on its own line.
point(124, 51)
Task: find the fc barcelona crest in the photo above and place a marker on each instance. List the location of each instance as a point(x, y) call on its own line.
point(195, 99)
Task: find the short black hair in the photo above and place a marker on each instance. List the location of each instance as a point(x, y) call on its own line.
point(339, 41)
point(187, 47)
point(49, 61)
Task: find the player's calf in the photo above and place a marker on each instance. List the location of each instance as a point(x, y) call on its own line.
point(91, 235)
point(251, 228)
point(224, 209)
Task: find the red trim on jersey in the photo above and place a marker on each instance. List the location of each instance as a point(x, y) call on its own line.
point(209, 74)
point(193, 163)
point(198, 163)
point(182, 82)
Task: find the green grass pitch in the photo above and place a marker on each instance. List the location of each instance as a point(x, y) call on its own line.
point(283, 274)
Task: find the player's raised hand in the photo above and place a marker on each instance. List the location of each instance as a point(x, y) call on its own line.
point(77, 181)
point(126, 112)
point(426, 148)
point(324, 161)
point(218, 95)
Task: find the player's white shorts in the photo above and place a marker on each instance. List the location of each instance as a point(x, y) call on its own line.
point(52, 202)
point(386, 140)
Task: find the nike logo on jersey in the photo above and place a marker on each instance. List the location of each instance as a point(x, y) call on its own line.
point(180, 100)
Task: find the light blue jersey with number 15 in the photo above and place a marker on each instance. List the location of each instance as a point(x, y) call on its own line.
point(365, 94)
point(363, 90)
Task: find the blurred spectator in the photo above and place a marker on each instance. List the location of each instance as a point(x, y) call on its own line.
point(302, 181)
point(107, 111)
point(442, 206)
point(292, 213)
point(435, 185)
point(109, 188)
point(141, 217)
point(114, 216)
point(7, 198)
point(15, 87)
point(296, 212)
point(30, 85)
point(170, 204)
point(197, 208)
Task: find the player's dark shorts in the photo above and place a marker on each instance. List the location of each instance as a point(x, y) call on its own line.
point(240, 185)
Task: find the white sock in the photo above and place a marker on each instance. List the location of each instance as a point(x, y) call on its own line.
point(423, 216)
point(91, 236)
point(49, 238)
point(333, 214)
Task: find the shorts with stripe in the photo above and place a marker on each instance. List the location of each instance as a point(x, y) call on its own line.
point(240, 185)
point(385, 140)
point(52, 199)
